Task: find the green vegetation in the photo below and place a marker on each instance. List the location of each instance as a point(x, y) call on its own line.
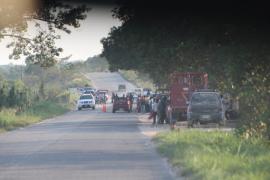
point(92, 64)
point(10, 119)
point(138, 78)
point(215, 155)
point(46, 109)
point(52, 93)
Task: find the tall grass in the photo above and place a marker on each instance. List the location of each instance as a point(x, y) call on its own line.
point(9, 119)
point(216, 155)
point(46, 109)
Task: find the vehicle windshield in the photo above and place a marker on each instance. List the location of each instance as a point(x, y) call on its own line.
point(121, 87)
point(86, 97)
point(205, 99)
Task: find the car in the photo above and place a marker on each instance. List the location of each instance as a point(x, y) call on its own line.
point(147, 91)
point(86, 101)
point(122, 88)
point(121, 103)
point(102, 96)
point(138, 91)
point(205, 106)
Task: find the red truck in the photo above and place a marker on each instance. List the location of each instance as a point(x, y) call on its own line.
point(182, 85)
point(121, 103)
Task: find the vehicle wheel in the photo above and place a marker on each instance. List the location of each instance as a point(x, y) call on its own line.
point(222, 123)
point(94, 108)
point(79, 109)
point(198, 124)
point(190, 124)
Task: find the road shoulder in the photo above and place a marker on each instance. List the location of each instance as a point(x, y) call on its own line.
point(148, 130)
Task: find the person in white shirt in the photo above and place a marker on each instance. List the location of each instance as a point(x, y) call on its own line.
point(154, 110)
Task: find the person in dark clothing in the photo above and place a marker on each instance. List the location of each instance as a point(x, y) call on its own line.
point(113, 96)
point(130, 98)
point(139, 104)
point(162, 110)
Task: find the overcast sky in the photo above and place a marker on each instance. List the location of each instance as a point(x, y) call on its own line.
point(83, 42)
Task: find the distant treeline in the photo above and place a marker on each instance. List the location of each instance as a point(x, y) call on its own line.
point(92, 64)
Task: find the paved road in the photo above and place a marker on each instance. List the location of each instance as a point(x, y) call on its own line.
point(82, 145)
point(109, 81)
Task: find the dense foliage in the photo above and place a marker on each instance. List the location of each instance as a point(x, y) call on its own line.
point(38, 84)
point(91, 64)
point(232, 46)
point(14, 95)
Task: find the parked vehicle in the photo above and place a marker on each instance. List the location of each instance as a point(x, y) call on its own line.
point(86, 101)
point(138, 91)
point(121, 103)
point(205, 106)
point(102, 96)
point(147, 91)
point(122, 88)
point(182, 85)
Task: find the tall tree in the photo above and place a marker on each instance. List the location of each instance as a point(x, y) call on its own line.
point(230, 42)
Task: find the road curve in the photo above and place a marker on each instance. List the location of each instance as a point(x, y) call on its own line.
point(86, 144)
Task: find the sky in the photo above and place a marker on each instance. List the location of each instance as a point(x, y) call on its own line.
point(83, 42)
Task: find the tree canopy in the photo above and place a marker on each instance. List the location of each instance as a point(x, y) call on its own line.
point(230, 42)
point(39, 48)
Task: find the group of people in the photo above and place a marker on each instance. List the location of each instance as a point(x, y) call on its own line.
point(128, 98)
point(158, 107)
point(143, 104)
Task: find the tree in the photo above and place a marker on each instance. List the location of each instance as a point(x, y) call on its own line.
point(231, 45)
point(41, 48)
point(3, 92)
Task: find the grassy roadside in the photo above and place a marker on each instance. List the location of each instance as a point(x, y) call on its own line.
point(10, 120)
point(215, 155)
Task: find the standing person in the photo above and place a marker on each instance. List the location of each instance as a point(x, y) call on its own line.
point(148, 92)
point(167, 109)
point(162, 110)
point(139, 104)
point(154, 111)
point(147, 104)
point(143, 104)
point(113, 96)
point(131, 98)
point(169, 116)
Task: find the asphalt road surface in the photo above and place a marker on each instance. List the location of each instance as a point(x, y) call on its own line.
point(87, 144)
point(109, 81)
